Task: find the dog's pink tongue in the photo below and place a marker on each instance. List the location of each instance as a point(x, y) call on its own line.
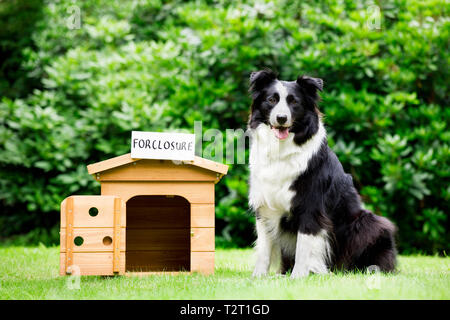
point(281, 133)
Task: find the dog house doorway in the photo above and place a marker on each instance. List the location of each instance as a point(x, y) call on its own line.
point(158, 234)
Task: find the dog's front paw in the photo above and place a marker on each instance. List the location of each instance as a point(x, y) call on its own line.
point(305, 271)
point(259, 272)
point(299, 273)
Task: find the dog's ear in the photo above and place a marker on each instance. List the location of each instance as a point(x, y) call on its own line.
point(260, 79)
point(310, 84)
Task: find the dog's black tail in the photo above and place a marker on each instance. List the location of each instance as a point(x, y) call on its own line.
point(370, 241)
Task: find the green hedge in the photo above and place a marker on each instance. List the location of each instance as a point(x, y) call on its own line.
point(153, 65)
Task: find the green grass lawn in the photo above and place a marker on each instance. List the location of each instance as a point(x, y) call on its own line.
point(32, 273)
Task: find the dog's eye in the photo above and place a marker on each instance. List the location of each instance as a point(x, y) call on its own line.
point(272, 100)
point(290, 99)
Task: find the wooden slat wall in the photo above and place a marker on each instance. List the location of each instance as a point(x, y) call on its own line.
point(194, 192)
point(202, 238)
point(201, 197)
point(158, 239)
point(157, 261)
point(93, 239)
point(158, 217)
point(101, 265)
point(82, 219)
point(202, 215)
point(202, 262)
point(93, 256)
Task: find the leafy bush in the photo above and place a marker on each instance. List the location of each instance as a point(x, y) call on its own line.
point(153, 65)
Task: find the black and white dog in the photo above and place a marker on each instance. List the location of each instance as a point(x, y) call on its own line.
point(308, 212)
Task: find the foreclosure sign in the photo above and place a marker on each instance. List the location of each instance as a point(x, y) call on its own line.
point(162, 145)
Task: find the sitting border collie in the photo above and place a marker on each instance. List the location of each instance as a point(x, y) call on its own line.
point(308, 213)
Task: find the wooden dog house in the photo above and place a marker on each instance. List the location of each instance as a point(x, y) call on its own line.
point(152, 216)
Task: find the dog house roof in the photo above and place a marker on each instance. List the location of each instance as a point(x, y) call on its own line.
point(126, 159)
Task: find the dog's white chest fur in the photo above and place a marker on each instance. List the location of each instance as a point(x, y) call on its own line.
point(275, 164)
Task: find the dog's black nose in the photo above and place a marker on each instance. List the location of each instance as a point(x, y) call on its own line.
point(281, 118)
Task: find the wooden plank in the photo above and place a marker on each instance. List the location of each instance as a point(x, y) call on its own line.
point(116, 239)
point(157, 217)
point(194, 192)
point(92, 239)
point(110, 163)
point(126, 159)
point(156, 273)
point(157, 170)
point(62, 242)
point(158, 239)
point(62, 263)
point(69, 229)
point(104, 205)
point(209, 165)
point(202, 262)
point(151, 261)
point(202, 239)
point(202, 215)
point(94, 263)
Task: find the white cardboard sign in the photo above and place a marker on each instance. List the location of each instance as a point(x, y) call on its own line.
point(162, 145)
